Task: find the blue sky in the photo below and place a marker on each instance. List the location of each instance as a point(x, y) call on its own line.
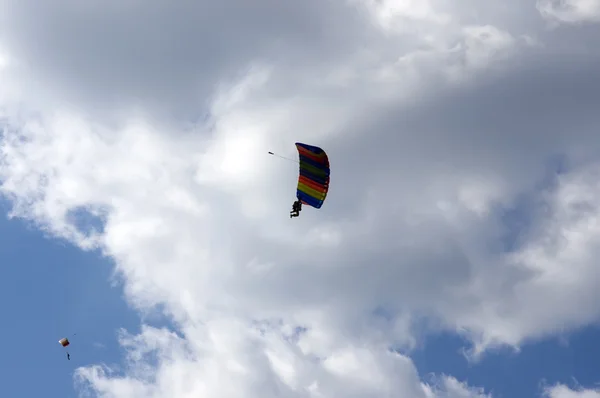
point(49, 290)
point(573, 360)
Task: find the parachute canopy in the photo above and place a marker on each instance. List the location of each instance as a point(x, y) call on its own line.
point(313, 182)
point(64, 342)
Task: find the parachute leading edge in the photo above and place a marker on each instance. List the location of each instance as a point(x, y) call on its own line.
point(313, 182)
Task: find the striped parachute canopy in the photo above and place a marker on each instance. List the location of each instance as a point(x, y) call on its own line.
point(64, 342)
point(313, 182)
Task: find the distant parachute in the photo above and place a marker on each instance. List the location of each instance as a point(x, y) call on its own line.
point(65, 343)
point(313, 181)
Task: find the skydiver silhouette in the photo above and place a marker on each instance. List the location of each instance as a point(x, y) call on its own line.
point(296, 209)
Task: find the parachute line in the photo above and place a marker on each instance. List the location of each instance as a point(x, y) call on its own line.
point(283, 157)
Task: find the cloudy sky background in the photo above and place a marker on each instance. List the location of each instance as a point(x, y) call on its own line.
point(464, 145)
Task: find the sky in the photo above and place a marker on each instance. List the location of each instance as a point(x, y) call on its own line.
point(454, 256)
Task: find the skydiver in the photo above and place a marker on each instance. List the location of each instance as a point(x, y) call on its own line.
point(296, 209)
point(68, 356)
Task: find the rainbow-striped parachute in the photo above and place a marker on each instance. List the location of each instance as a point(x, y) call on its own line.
point(313, 182)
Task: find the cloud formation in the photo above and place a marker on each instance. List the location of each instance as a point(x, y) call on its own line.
point(562, 391)
point(443, 121)
point(570, 11)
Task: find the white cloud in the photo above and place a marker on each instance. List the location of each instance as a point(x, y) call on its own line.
point(558, 257)
point(225, 362)
point(562, 391)
point(570, 11)
point(436, 116)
